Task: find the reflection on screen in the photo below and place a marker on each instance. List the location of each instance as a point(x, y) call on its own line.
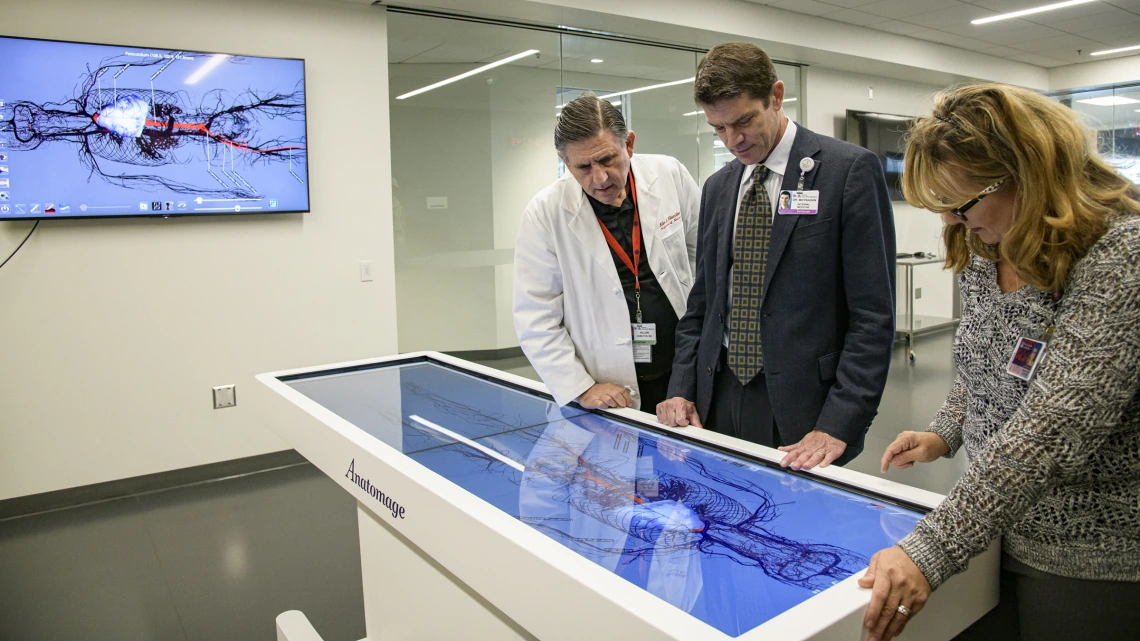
point(96, 130)
point(730, 541)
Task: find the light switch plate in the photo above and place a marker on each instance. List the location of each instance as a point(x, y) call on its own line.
point(225, 396)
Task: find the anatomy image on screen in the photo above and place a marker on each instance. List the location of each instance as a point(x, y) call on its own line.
point(156, 132)
point(731, 541)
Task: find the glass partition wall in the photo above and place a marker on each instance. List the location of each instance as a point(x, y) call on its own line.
point(1114, 113)
point(468, 155)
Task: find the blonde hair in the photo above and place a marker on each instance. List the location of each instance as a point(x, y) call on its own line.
point(1065, 192)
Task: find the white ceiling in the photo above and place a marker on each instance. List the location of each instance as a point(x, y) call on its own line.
point(1049, 39)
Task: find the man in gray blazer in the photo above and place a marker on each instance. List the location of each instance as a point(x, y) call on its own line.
point(787, 335)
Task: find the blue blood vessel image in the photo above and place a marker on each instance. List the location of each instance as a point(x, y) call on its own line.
point(733, 542)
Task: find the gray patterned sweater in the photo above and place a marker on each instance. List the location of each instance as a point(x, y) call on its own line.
point(1054, 463)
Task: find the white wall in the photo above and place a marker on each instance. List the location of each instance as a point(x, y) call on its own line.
point(113, 332)
point(1101, 72)
point(829, 94)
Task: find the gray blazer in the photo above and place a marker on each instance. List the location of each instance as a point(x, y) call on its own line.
point(827, 320)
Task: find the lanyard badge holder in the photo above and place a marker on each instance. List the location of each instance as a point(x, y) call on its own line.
point(1029, 353)
point(800, 202)
point(644, 334)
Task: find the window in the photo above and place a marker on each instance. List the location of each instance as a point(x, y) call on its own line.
point(469, 155)
point(1114, 113)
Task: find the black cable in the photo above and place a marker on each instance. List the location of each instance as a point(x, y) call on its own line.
point(21, 245)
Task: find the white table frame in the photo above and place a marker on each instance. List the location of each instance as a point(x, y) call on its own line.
point(458, 568)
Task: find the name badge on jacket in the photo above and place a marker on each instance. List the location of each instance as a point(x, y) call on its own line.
point(802, 203)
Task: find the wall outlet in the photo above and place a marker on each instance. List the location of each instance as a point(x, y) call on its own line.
point(917, 293)
point(225, 396)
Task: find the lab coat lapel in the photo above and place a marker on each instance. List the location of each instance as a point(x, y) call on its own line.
point(648, 209)
point(651, 216)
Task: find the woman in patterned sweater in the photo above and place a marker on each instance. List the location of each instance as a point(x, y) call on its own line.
point(1045, 237)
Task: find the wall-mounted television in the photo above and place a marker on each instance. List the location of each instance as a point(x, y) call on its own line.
point(883, 134)
point(90, 130)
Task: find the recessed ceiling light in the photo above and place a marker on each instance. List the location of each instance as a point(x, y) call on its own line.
point(597, 60)
point(1102, 53)
point(468, 74)
point(890, 117)
point(1108, 101)
point(694, 113)
point(717, 143)
point(1027, 12)
point(664, 84)
point(790, 99)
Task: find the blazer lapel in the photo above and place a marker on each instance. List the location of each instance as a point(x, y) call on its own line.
point(803, 146)
point(726, 218)
point(583, 224)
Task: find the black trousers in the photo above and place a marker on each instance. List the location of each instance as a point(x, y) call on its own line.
point(653, 391)
point(1038, 606)
point(745, 411)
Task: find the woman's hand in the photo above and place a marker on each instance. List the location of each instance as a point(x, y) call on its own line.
point(898, 592)
point(912, 447)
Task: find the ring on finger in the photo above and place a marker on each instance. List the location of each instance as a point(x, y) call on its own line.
point(903, 610)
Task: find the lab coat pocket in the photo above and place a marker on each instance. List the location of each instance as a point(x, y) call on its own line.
point(678, 254)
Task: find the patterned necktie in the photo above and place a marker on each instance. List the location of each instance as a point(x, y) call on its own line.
point(749, 261)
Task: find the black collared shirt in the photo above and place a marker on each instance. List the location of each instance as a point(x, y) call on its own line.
point(655, 305)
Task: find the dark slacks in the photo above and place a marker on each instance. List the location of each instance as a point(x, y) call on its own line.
point(745, 411)
point(653, 391)
point(1037, 606)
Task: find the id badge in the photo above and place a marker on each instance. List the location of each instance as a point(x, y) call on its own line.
point(642, 353)
point(645, 333)
point(1026, 357)
point(801, 203)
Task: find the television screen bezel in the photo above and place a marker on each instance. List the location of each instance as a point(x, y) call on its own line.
point(277, 212)
point(852, 136)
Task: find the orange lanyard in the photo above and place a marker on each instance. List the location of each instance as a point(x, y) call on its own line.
point(636, 240)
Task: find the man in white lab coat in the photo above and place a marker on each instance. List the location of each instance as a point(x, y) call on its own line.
point(604, 262)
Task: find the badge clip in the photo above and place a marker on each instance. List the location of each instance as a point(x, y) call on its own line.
point(806, 165)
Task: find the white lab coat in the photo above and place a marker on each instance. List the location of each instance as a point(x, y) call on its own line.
point(569, 307)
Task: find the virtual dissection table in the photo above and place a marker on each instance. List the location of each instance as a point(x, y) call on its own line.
point(488, 512)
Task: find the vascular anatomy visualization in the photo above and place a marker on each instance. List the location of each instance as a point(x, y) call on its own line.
point(114, 131)
point(730, 541)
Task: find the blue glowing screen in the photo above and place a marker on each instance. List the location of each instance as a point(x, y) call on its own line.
point(99, 130)
point(730, 541)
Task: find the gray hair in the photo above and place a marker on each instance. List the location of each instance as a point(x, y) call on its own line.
point(585, 117)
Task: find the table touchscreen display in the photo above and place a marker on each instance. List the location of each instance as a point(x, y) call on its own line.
point(732, 541)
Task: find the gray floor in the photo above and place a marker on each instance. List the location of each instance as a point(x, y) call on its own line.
point(219, 561)
point(216, 561)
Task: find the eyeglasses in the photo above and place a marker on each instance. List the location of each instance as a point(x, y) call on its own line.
point(960, 212)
